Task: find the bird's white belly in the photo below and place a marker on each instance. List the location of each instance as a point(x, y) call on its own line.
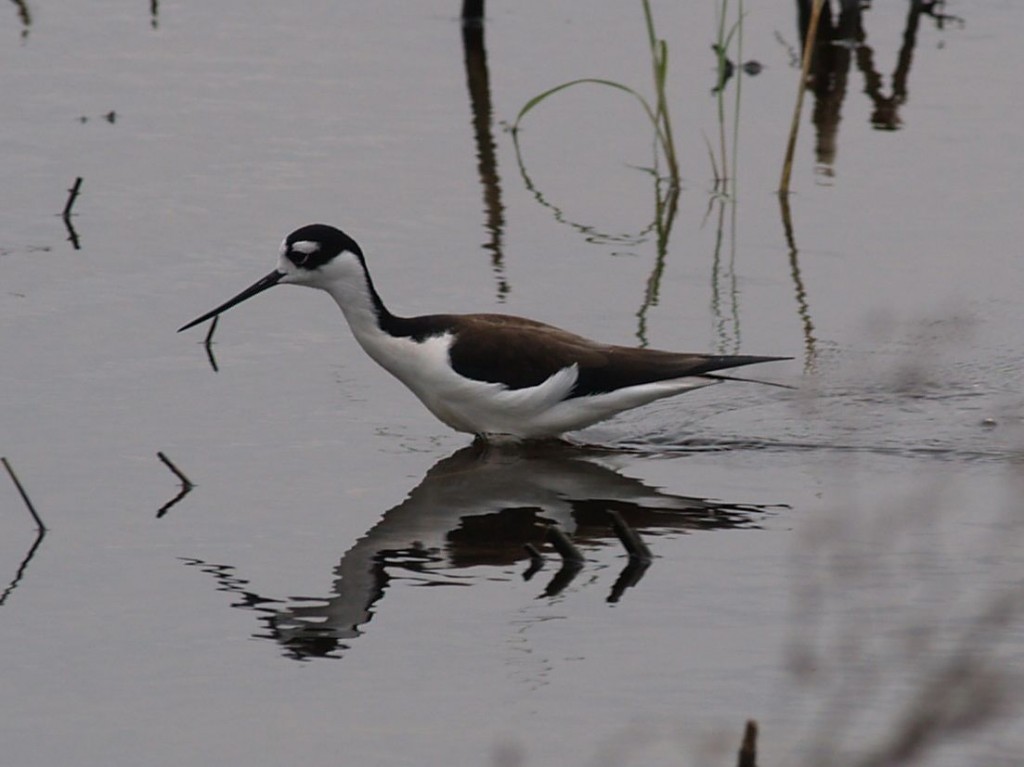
point(478, 407)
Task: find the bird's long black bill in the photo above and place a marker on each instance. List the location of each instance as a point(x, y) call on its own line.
point(267, 282)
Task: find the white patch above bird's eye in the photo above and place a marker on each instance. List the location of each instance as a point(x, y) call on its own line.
point(306, 247)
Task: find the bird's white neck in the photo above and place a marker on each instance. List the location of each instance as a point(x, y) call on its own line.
point(422, 365)
point(373, 325)
point(360, 304)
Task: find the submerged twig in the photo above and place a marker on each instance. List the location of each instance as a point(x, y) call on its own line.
point(72, 234)
point(186, 485)
point(39, 537)
point(66, 213)
point(185, 490)
point(208, 344)
point(23, 567)
point(212, 359)
point(24, 495)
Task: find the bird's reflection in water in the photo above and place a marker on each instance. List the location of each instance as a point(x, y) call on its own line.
point(480, 507)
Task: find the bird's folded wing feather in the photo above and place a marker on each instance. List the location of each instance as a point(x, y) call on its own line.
point(521, 353)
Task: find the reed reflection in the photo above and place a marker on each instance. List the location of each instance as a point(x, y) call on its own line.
point(24, 16)
point(480, 506)
point(666, 204)
point(803, 308)
point(23, 565)
point(478, 83)
point(841, 41)
point(664, 170)
point(724, 300)
point(40, 531)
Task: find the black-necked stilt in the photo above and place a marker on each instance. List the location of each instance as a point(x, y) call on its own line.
point(486, 374)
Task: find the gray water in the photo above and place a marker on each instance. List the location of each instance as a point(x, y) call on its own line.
point(345, 582)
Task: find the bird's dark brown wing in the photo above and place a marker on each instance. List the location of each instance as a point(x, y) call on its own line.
point(520, 353)
point(627, 366)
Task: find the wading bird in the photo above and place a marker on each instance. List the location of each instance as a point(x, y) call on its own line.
point(492, 375)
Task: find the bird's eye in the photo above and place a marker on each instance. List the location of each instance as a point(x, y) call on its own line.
point(299, 259)
point(303, 254)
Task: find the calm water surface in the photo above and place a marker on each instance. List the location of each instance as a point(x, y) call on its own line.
point(347, 580)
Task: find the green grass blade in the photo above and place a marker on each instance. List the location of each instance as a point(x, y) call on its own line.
point(536, 100)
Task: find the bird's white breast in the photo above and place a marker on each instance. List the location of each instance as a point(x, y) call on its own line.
point(480, 407)
point(477, 407)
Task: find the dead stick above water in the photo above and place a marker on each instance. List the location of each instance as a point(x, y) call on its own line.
point(747, 756)
point(177, 472)
point(72, 196)
point(209, 334)
point(24, 495)
point(809, 41)
point(472, 10)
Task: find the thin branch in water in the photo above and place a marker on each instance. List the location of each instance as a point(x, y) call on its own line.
point(175, 470)
point(66, 213)
point(39, 537)
point(72, 234)
point(208, 344)
point(24, 495)
point(714, 166)
point(812, 34)
point(23, 567)
point(72, 196)
point(185, 490)
point(186, 485)
point(738, 31)
point(212, 359)
point(720, 50)
point(209, 334)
